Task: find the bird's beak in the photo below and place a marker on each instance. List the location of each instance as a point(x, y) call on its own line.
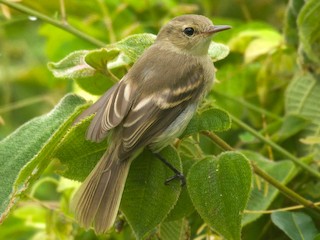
point(217, 28)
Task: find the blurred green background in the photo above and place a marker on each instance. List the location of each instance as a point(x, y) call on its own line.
point(28, 89)
point(270, 49)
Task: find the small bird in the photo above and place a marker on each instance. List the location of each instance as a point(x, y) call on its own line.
point(149, 107)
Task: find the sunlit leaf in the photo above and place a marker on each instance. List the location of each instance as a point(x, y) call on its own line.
point(72, 66)
point(218, 51)
point(98, 59)
point(134, 45)
point(25, 153)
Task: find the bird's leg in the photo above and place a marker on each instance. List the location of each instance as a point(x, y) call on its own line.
point(178, 175)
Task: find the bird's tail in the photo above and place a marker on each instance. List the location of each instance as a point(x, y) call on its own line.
point(97, 201)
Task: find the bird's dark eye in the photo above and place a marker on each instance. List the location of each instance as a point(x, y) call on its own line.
point(189, 31)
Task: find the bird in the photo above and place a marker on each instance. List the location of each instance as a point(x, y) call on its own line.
point(148, 108)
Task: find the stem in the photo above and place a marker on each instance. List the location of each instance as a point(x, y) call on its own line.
point(63, 12)
point(107, 21)
point(277, 210)
point(248, 105)
point(276, 147)
point(54, 22)
point(282, 188)
point(24, 103)
point(287, 191)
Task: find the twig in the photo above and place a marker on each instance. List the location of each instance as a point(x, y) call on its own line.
point(248, 105)
point(54, 22)
point(107, 21)
point(277, 210)
point(24, 103)
point(276, 147)
point(63, 12)
point(282, 188)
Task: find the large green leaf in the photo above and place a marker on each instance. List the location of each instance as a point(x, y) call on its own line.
point(220, 189)
point(303, 98)
point(25, 153)
point(77, 155)
point(259, 198)
point(146, 199)
point(297, 225)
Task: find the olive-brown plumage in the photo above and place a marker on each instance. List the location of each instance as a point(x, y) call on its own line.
point(150, 106)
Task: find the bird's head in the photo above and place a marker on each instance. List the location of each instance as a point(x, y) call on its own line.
point(189, 34)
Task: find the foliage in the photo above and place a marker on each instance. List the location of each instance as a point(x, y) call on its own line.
point(265, 103)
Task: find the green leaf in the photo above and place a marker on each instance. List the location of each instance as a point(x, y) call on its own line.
point(297, 225)
point(255, 41)
point(263, 194)
point(220, 189)
point(184, 206)
point(309, 25)
point(146, 200)
point(303, 98)
point(25, 153)
point(291, 125)
point(290, 24)
point(310, 140)
point(72, 66)
point(218, 51)
point(98, 59)
point(215, 120)
point(174, 230)
point(90, 76)
point(262, 46)
point(134, 45)
point(97, 84)
point(77, 155)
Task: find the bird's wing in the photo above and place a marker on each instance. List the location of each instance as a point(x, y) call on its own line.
point(94, 108)
point(152, 114)
point(110, 110)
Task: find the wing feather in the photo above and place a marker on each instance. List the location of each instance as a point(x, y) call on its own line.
point(112, 112)
point(152, 114)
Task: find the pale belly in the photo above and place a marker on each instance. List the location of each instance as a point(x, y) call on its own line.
point(174, 130)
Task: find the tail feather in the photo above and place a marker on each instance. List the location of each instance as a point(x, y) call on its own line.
point(97, 201)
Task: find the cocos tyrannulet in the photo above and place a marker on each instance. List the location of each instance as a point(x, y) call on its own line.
point(150, 106)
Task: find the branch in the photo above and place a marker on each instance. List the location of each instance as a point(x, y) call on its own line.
point(276, 147)
point(282, 188)
point(62, 25)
